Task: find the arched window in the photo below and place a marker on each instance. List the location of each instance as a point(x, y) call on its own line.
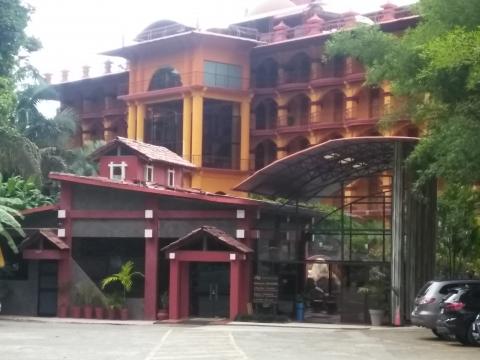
point(298, 110)
point(333, 107)
point(165, 78)
point(298, 69)
point(297, 144)
point(266, 75)
point(266, 114)
point(265, 153)
point(376, 103)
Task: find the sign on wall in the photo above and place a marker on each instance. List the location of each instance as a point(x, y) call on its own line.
point(265, 290)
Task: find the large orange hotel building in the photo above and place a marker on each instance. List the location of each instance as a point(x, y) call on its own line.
point(195, 113)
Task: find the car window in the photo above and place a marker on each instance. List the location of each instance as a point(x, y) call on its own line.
point(454, 297)
point(476, 295)
point(424, 289)
point(449, 288)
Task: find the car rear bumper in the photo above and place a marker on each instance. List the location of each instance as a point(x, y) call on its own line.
point(424, 319)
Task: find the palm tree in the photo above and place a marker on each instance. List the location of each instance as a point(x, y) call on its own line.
point(78, 160)
point(124, 277)
point(32, 144)
point(18, 155)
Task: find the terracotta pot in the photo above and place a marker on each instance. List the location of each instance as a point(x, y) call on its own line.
point(63, 311)
point(124, 314)
point(99, 313)
point(88, 312)
point(111, 314)
point(76, 312)
point(162, 314)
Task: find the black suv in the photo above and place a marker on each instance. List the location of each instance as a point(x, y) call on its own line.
point(458, 314)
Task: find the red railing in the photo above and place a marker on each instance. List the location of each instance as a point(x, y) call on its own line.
point(331, 25)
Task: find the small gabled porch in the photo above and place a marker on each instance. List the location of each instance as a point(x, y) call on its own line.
point(209, 275)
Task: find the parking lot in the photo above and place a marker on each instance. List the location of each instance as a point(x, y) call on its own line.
point(22, 340)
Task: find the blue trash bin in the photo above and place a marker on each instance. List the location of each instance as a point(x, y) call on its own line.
point(300, 311)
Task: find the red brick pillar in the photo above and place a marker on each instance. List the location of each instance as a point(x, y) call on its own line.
point(235, 281)
point(151, 262)
point(174, 290)
point(65, 264)
point(151, 278)
point(184, 289)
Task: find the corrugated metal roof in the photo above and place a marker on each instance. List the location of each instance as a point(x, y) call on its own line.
point(321, 169)
point(215, 233)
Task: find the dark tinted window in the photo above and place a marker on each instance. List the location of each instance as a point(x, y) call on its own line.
point(475, 294)
point(450, 287)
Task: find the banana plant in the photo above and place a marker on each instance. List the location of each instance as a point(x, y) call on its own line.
point(9, 225)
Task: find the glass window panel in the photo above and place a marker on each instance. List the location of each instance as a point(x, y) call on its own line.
point(209, 79)
point(222, 75)
point(209, 67)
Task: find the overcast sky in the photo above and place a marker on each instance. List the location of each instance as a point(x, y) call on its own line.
point(74, 31)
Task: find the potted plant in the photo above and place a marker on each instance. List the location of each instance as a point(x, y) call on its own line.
point(114, 302)
point(77, 302)
point(124, 278)
point(87, 292)
point(98, 307)
point(63, 291)
point(375, 291)
point(162, 313)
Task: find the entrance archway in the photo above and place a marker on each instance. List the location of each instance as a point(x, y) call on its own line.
point(199, 283)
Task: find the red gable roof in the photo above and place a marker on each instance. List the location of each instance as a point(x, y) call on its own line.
point(215, 233)
point(147, 151)
point(154, 189)
point(46, 234)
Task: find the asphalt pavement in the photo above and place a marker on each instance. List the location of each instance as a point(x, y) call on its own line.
point(28, 340)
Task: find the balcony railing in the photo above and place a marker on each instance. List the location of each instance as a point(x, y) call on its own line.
point(331, 25)
point(173, 29)
point(196, 78)
point(312, 121)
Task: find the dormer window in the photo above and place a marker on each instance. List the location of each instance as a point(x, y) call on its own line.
point(149, 173)
point(117, 170)
point(171, 177)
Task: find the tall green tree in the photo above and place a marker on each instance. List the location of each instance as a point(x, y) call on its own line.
point(17, 153)
point(459, 231)
point(435, 69)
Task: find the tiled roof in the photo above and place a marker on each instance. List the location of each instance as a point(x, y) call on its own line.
point(215, 233)
point(154, 189)
point(46, 234)
point(148, 151)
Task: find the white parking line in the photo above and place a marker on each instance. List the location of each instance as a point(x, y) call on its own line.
point(151, 354)
point(236, 347)
point(196, 344)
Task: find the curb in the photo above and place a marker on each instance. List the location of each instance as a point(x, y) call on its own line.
point(75, 321)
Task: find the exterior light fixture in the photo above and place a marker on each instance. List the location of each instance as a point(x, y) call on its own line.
point(359, 165)
point(346, 160)
point(331, 156)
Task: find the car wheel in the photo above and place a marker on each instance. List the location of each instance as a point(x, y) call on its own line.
point(441, 336)
point(437, 334)
point(462, 339)
point(472, 337)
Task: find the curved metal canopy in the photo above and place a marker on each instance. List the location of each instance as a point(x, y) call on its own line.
point(321, 169)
